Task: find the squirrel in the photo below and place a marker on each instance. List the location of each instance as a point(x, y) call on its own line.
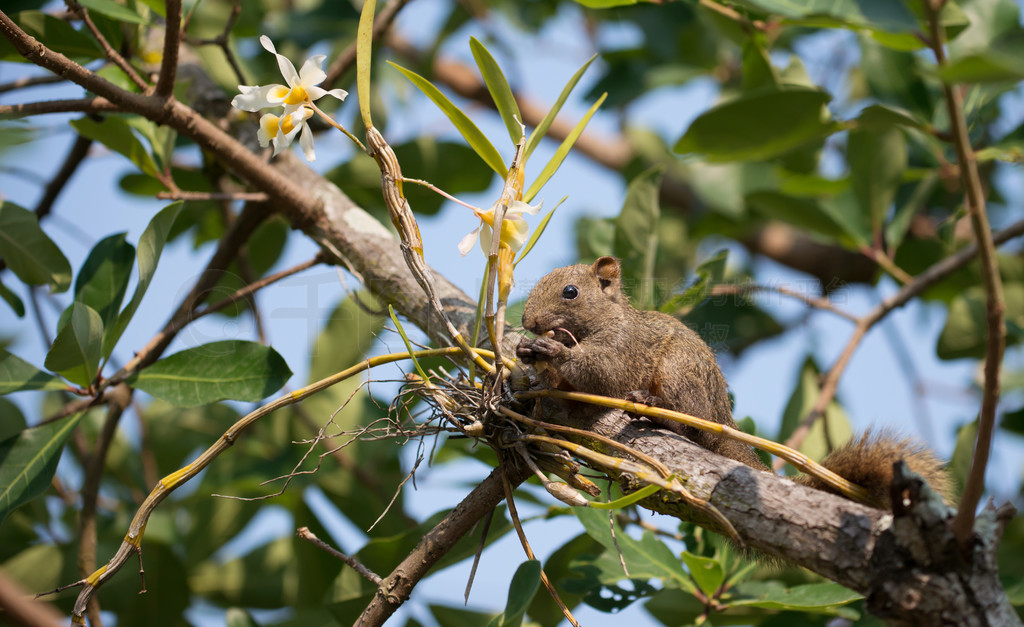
point(591, 339)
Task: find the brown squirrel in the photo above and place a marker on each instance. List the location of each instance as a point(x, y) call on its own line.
point(591, 339)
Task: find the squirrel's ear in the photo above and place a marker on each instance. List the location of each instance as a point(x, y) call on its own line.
point(608, 272)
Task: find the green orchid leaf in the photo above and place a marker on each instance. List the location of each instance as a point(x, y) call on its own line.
point(560, 154)
point(470, 132)
point(499, 88)
point(537, 232)
point(541, 130)
point(364, 51)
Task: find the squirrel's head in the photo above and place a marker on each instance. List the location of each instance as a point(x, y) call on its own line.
point(578, 299)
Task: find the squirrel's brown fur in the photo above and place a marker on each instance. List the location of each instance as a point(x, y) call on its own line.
point(591, 339)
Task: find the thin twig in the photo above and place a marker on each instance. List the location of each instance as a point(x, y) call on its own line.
point(117, 400)
point(222, 41)
point(30, 81)
point(812, 301)
point(185, 195)
point(108, 50)
point(95, 104)
point(172, 41)
point(514, 515)
point(995, 306)
point(309, 536)
point(923, 281)
point(238, 233)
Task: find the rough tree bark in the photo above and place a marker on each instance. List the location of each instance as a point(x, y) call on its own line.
point(907, 563)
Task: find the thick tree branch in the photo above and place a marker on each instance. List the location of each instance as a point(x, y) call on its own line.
point(908, 565)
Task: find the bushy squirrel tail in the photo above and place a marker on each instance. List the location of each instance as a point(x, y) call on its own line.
point(867, 461)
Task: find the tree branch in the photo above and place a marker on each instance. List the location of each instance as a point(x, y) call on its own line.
point(84, 105)
point(907, 565)
point(172, 40)
point(995, 305)
point(397, 586)
point(923, 281)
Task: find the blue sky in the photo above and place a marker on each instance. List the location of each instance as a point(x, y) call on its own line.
point(875, 389)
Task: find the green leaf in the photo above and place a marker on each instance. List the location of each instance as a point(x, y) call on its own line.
point(451, 166)
point(151, 245)
point(897, 228)
point(823, 598)
point(499, 88)
point(710, 272)
point(116, 134)
point(12, 300)
point(707, 572)
point(228, 370)
point(524, 585)
point(645, 558)
point(963, 454)
point(816, 444)
point(28, 252)
point(17, 375)
point(983, 67)
point(636, 232)
point(759, 126)
point(113, 10)
point(457, 616)
point(12, 421)
point(58, 35)
point(28, 461)
point(77, 349)
point(560, 154)
point(103, 279)
point(364, 51)
point(853, 221)
point(758, 72)
point(542, 128)
point(606, 4)
point(803, 212)
point(884, 15)
point(883, 117)
point(966, 329)
point(537, 232)
point(470, 132)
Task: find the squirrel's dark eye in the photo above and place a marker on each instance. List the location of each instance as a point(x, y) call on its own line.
point(570, 292)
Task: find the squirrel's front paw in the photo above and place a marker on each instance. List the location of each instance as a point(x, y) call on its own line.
point(538, 348)
point(644, 397)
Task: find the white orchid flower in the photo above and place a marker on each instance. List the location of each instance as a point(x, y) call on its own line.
point(282, 130)
point(513, 227)
point(302, 86)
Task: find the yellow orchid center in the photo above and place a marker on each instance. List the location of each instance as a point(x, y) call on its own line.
point(296, 95)
point(287, 126)
point(279, 92)
point(269, 124)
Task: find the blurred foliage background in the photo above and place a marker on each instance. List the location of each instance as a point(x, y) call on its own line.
point(835, 180)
